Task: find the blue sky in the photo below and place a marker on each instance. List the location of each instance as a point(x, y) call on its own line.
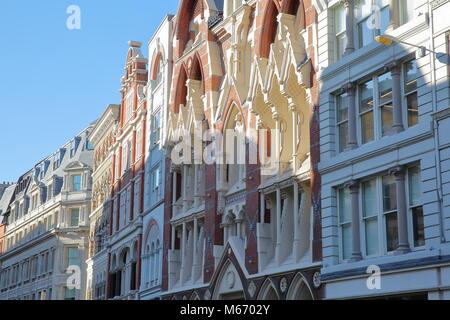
point(55, 81)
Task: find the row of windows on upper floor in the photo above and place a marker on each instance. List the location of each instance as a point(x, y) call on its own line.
point(44, 225)
point(37, 267)
point(43, 294)
point(370, 19)
point(373, 100)
point(379, 202)
point(41, 170)
point(45, 194)
point(28, 270)
point(127, 150)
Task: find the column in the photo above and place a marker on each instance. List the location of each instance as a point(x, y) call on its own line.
point(349, 25)
point(293, 109)
point(278, 246)
point(194, 251)
point(356, 235)
point(262, 206)
point(197, 185)
point(402, 220)
point(174, 186)
point(183, 252)
point(173, 235)
point(350, 89)
point(185, 186)
point(397, 125)
point(296, 244)
point(395, 14)
point(276, 162)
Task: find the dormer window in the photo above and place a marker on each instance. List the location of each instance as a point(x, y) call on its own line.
point(57, 159)
point(74, 146)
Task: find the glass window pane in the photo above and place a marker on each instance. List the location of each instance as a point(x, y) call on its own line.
point(391, 232)
point(411, 74)
point(372, 236)
point(340, 19)
point(369, 198)
point(347, 241)
point(74, 217)
point(407, 10)
point(69, 294)
point(389, 194)
point(76, 183)
point(343, 136)
point(385, 19)
point(385, 88)
point(387, 118)
point(345, 205)
point(366, 96)
point(413, 109)
point(341, 44)
point(365, 34)
point(367, 127)
point(342, 107)
point(73, 257)
point(363, 8)
point(418, 225)
point(415, 192)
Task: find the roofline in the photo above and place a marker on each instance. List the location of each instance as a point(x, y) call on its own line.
point(167, 17)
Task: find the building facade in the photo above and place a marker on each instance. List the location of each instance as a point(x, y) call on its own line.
point(128, 173)
point(47, 227)
point(237, 228)
point(384, 149)
point(102, 138)
point(157, 95)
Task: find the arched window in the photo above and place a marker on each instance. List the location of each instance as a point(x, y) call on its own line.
point(152, 257)
point(157, 77)
point(269, 30)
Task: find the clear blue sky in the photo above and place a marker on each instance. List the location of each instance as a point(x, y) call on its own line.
point(55, 81)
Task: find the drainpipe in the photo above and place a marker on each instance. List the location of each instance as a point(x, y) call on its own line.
point(436, 128)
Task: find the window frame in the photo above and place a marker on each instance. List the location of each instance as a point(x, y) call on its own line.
point(339, 123)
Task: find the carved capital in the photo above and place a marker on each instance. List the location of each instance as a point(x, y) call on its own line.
point(347, 3)
point(398, 172)
point(394, 67)
point(353, 185)
point(349, 87)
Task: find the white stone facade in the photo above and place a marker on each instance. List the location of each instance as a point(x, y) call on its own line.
point(46, 238)
point(384, 185)
point(157, 91)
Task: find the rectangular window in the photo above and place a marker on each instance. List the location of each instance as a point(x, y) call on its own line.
point(345, 221)
point(372, 19)
point(49, 191)
point(370, 216)
point(406, 11)
point(89, 145)
point(342, 120)
point(156, 128)
point(73, 258)
point(76, 183)
point(385, 103)
point(74, 217)
point(415, 205)
point(410, 75)
point(390, 212)
point(340, 33)
point(129, 106)
point(69, 294)
point(366, 112)
point(156, 178)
